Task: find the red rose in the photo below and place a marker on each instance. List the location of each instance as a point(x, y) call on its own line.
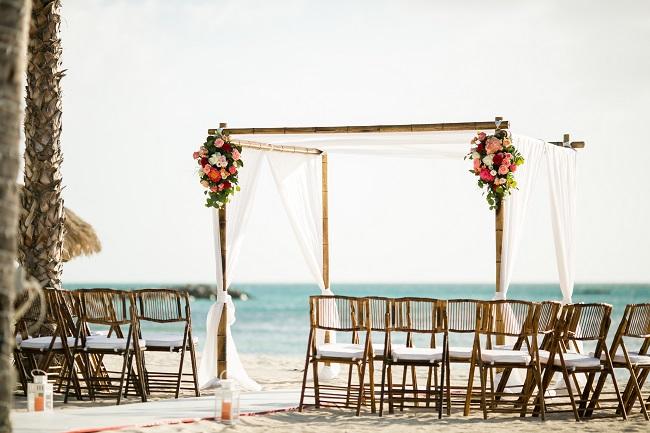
point(498, 159)
point(232, 169)
point(203, 161)
point(227, 147)
point(480, 148)
point(513, 168)
point(486, 176)
point(227, 185)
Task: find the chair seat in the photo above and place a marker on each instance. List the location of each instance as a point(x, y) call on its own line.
point(340, 350)
point(460, 352)
point(104, 343)
point(164, 340)
point(42, 343)
point(571, 359)
point(378, 348)
point(635, 358)
point(505, 356)
point(416, 354)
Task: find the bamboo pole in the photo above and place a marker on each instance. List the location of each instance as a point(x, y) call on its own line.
point(422, 127)
point(221, 346)
point(498, 238)
point(326, 246)
point(276, 148)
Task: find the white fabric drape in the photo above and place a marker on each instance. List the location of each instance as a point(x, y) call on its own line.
point(237, 214)
point(298, 178)
point(563, 193)
point(516, 205)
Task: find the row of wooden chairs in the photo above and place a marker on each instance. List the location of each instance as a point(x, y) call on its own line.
point(541, 340)
point(70, 345)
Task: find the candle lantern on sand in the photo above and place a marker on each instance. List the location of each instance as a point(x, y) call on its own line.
point(40, 393)
point(227, 402)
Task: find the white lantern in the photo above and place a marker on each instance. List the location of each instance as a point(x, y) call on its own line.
point(40, 393)
point(227, 402)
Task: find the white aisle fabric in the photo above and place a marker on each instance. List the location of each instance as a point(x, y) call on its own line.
point(298, 178)
point(237, 214)
point(562, 183)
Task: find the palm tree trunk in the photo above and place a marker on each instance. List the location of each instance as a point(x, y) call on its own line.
point(42, 219)
point(14, 15)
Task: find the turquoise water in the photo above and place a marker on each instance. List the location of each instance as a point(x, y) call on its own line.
point(275, 319)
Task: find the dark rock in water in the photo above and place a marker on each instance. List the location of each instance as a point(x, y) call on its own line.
point(208, 291)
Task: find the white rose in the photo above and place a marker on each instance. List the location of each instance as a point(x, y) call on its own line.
point(214, 159)
point(493, 172)
point(476, 155)
point(488, 160)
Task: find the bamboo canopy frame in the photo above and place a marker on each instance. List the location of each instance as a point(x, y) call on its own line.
point(498, 122)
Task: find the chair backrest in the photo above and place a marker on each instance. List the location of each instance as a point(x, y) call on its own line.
point(549, 314)
point(339, 313)
point(162, 305)
point(637, 318)
point(585, 322)
point(461, 315)
point(380, 312)
point(106, 306)
point(507, 317)
point(419, 315)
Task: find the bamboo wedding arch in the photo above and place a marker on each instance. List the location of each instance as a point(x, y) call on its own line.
point(498, 122)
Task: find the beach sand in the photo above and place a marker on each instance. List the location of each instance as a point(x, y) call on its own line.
point(277, 372)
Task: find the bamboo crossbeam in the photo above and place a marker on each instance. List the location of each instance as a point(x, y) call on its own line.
point(421, 127)
point(573, 144)
point(276, 148)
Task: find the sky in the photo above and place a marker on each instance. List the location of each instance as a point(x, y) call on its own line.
point(146, 79)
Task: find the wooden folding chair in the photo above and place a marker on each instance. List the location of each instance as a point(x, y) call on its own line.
point(579, 324)
point(341, 314)
point(115, 309)
point(415, 316)
point(634, 328)
point(165, 306)
point(505, 318)
point(461, 321)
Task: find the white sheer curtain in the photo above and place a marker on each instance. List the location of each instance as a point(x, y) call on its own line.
point(237, 214)
point(516, 206)
point(563, 193)
point(298, 178)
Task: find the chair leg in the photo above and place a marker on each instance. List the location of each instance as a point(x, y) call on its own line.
point(428, 388)
point(180, 373)
point(448, 378)
point(383, 387)
point(373, 402)
point(618, 392)
point(391, 406)
point(567, 382)
point(483, 373)
point(142, 379)
point(414, 380)
point(316, 385)
point(128, 359)
point(470, 386)
point(361, 385)
point(349, 390)
point(637, 391)
point(195, 374)
point(440, 388)
point(304, 384)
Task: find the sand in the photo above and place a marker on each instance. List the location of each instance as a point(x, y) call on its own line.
point(275, 372)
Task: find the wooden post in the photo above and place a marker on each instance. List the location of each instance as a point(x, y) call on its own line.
point(498, 237)
point(220, 347)
point(326, 245)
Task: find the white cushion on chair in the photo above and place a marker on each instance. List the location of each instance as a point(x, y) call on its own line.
point(505, 356)
point(42, 343)
point(166, 340)
point(340, 350)
point(104, 343)
point(460, 352)
point(416, 354)
point(378, 349)
point(635, 358)
point(571, 359)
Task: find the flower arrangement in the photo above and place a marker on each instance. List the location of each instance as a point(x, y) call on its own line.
point(495, 163)
point(219, 162)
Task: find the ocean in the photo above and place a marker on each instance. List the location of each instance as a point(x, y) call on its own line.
point(275, 319)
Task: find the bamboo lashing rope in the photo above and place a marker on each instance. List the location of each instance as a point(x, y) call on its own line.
point(276, 147)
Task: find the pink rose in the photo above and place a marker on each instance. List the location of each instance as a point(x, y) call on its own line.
point(195, 155)
point(235, 155)
point(503, 169)
point(486, 176)
point(213, 189)
point(207, 168)
point(205, 183)
point(477, 164)
point(481, 136)
point(493, 145)
point(513, 168)
point(218, 142)
point(221, 187)
point(232, 169)
point(203, 152)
